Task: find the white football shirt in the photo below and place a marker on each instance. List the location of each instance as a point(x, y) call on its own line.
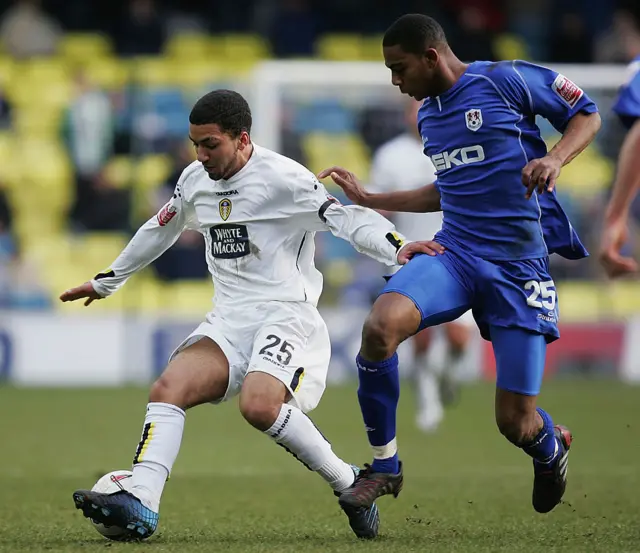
point(400, 165)
point(259, 228)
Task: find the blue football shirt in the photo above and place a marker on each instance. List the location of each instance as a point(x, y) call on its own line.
point(479, 135)
point(627, 105)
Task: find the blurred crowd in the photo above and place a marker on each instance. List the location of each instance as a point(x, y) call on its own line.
point(555, 31)
point(100, 125)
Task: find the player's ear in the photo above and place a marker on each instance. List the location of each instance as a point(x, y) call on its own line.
point(245, 140)
point(431, 57)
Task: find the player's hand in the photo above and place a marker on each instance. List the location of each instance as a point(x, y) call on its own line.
point(429, 247)
point(614, 237)
point(541, 174)
point(85, 290)
point(348, 182)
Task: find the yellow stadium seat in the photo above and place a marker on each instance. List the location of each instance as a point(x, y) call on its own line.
point(371, 48)
point(84, 47)
point(152, 171)
point(95, 251)
point(323, 150)
point(53, 166)
point(580, 301)
point(510, 47)
point(108, 73)
point(119, 171)
point(41, 82)
point(197, 74)
point(190, 297)
point(38, 121)
point(6, 70)
point(340, 47)
point(624, 298)
point(338, 272)
point(150, 71)
point(245, 47)
point(189, 46)
point(145, 293)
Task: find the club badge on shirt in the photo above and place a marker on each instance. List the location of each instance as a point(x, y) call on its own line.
point(473, 118)
point(225, 207)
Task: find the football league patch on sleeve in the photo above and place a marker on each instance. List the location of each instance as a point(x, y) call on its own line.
point(167, 213)
point(568, 91)
point(394, 240)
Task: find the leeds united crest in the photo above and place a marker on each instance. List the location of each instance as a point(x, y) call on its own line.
point(225, 208)
point(473, 118)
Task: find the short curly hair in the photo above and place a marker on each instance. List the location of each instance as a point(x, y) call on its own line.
point(225, 108)
point(414, 33)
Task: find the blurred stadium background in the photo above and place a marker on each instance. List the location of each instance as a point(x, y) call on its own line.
point(94, 99)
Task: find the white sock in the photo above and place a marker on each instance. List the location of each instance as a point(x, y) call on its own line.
point(428, 390)
point(156, 452)
point(299, 436)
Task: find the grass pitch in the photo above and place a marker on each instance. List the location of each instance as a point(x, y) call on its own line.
point(466, 489)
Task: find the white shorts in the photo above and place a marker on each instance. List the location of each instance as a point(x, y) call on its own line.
point(288, 340)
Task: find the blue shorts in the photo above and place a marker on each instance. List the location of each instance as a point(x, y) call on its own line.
point(517, 295)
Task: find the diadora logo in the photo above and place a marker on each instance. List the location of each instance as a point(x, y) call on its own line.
point(227, 193)
point(459, 156)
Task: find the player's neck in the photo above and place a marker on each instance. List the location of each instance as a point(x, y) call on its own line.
point(452, 70)
point(242, 158)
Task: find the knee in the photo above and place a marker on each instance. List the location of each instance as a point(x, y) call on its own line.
point(515, 426)
point(260, 411)
point(166, 390)
point(382, 333)
point(162, 391)
point(392, 320)
point(377, 333)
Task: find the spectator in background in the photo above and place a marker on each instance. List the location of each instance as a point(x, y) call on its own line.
point(5, 111)
point(571, 41)
point(472, 40)
point(142, 31)
point(88, 128)
point(185, 260)
point(294, 29)
point(27, 31)
point(100, 205)
point(620, 43)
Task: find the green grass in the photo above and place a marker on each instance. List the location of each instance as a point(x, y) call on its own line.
point(466, 488)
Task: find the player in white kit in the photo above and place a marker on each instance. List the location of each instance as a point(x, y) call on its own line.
point(399, 165)
point(264, 338)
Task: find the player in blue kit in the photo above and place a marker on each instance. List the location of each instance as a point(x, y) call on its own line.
point(627, 183)
point(495, 185)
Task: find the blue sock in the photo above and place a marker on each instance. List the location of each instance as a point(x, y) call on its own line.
point(378, 395)
point(543, 448)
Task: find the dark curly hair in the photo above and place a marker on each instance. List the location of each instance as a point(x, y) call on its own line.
point(414, 33)
point(225, 108)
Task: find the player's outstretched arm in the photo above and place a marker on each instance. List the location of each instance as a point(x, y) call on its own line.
point(153, 238)
point(625, 188)
point(421, 200)
point(541, 174)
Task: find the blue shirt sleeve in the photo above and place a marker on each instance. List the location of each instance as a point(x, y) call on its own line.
point(627, 105)
point(536, 90)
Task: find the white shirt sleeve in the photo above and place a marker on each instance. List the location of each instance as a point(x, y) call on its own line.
point(151, 240)
point(365, 229)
